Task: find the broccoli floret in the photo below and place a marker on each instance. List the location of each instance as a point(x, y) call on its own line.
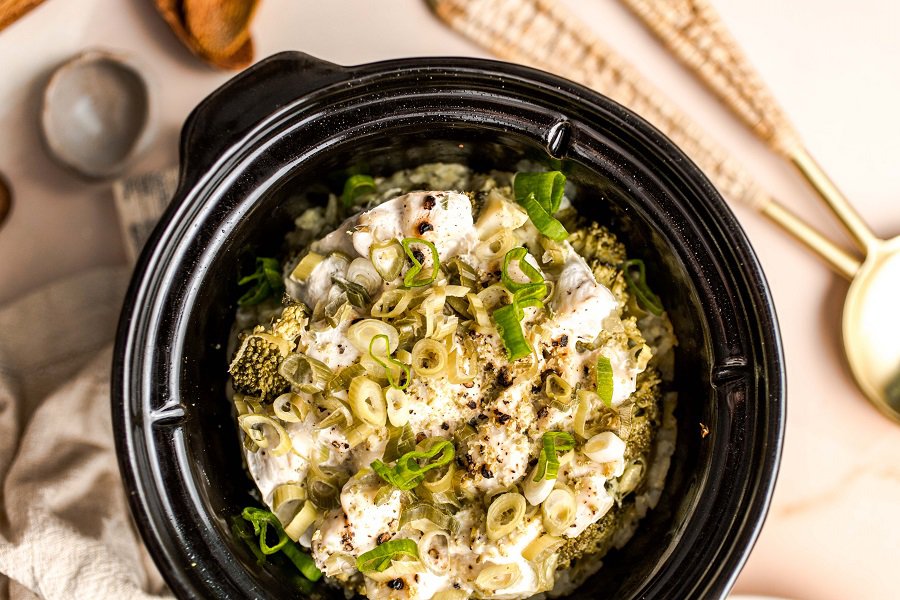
point(645, 421)
point(596, 539)
point(646, 417)
point(254, 369)
point(292, 322)
point(597, 243)
point(604, 254)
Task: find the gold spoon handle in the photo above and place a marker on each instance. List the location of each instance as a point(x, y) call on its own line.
point(543, 34)
point(695, 34)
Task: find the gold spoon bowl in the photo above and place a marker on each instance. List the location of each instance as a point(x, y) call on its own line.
point(871, 326)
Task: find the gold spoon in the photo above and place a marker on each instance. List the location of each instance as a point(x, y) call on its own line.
point(5, 200)
point(695, 34)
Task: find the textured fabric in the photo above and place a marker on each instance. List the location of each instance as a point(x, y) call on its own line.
point(65, 528)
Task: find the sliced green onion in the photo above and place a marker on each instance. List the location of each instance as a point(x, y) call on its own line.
point(306, 266)
point(367, 401)
point(604, 447)
point(357, 294)
point(637, 285)
point(440, 480)
point(389, 362)
point(362, 272)
point(510, 329)
point(407, 473)
point(401, 440)
point(339, 415)
point(242, 530)
point(584, 412)
point(544, 222)
point(462, 435)
point(497, 577)
point(266, 281)
point(554, 253)
point(541, 546)
point(261, 520)
point(298, 525)
point(494, 296)
point(429, 357)
point(605, 380)
point(335, 309)
point(478, 311)
point(559, 510)
point(323, 488)
point(387, 257)
point(303, 561)
point(496, 246)
point(392, 304)
point(434, 551)
point(397, 407)
point(260, 429)
point(559, 391)
point(553, 442)
point(356, 186)
point(537, 491)
point(547, 188)
point(291, 407)
point(287, 495)
point(431, 513)
point(363, 332)
point(518, 255)
point(504, 514)
point(532, 294)
point(341, 380)
point(358, 434)
point(462, 273)
point(414, 277)
point(380, 557)
point(306, 373)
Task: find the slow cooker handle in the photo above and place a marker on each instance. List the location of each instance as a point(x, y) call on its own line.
point(229, 113)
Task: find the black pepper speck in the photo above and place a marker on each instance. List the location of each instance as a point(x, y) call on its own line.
point(504, 377)
point(395, 584)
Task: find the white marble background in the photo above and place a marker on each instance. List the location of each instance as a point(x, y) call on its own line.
point(833, 532)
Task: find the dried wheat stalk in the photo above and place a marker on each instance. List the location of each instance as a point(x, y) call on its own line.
point(542, 34)
point(694, 33)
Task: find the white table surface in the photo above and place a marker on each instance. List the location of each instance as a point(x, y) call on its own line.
point(833, 531)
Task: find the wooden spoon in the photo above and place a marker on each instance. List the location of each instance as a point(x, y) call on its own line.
point(215, 48)
point(220, 27)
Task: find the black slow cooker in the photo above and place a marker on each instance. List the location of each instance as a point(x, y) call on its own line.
point(292, 122)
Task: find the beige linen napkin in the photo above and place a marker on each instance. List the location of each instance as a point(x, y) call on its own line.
point(65, 528)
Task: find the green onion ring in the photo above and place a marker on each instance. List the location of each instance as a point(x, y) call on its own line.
point(393, 361)
point(518, 255)
point(356, 186)
point(604, 380)
point(380, 557)
point(411, 278)
point(553, 442)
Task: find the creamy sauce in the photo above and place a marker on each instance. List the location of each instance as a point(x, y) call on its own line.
point(510, 431)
